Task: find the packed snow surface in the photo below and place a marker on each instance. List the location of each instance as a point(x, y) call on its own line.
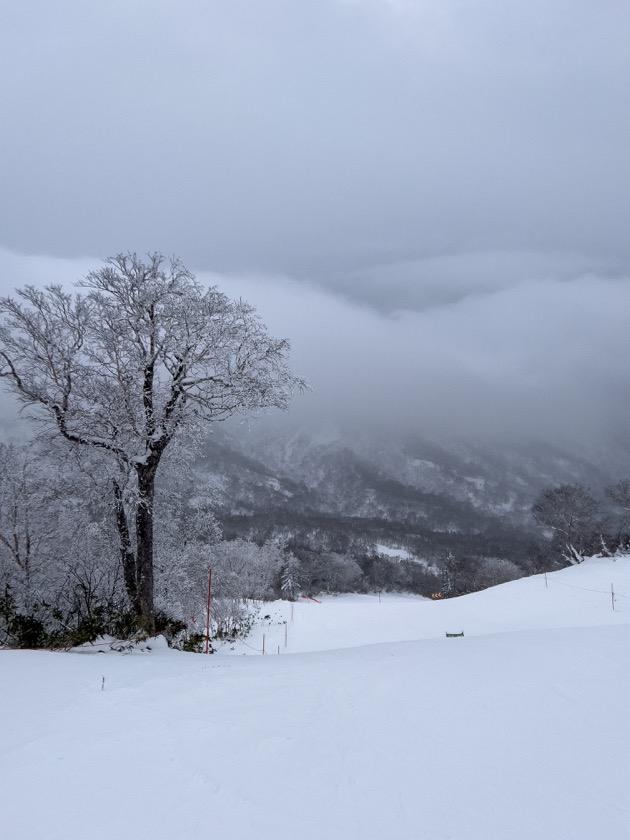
point(369, 724)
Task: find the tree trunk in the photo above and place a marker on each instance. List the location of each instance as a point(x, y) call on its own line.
point(144, 546)
point(127, 557)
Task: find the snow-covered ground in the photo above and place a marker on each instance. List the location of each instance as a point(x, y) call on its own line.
point(397, 553)
point(376, 726)
point(402, 554)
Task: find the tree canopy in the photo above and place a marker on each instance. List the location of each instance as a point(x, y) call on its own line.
point(139, 354)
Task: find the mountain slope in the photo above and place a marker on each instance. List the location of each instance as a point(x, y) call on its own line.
point(430, 498)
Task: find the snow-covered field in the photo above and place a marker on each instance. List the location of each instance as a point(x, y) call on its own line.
point(375, 726)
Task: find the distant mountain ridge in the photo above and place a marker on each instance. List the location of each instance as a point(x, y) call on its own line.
point(425, 496)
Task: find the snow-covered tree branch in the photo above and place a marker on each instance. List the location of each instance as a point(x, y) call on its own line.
point(122, 367)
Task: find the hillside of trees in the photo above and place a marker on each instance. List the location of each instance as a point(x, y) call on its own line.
point(114, 511)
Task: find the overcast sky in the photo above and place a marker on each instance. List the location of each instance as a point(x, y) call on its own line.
point(430, 198)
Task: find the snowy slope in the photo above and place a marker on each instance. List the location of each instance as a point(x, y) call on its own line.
point(517, 731)
point(575, 597)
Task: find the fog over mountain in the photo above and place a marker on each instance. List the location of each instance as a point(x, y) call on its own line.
point(529, 360)
point(429, 199)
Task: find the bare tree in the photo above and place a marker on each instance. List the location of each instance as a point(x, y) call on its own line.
point(27, 530)
point(58, 565)
point(619, 493)
point(493, 571)
point(123, 368)
point(568, 511)
point(244, 570)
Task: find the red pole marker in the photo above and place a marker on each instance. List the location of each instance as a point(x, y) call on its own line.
point(208, 611)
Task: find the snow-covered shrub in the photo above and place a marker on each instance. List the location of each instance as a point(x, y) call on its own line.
point(329, 572)
point(59, 569)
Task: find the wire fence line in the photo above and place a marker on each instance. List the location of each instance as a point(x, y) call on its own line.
point(610, 593)
point(586, 589)
point(258, 650)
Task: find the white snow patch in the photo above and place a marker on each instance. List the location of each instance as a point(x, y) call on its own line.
point(274, 484)
point(420, 462)
point(403, 554)
point(398, 553)
point(517, 731)
point(479, 483)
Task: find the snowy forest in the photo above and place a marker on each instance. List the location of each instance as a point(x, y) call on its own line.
point(139, 363)
point(110, 519)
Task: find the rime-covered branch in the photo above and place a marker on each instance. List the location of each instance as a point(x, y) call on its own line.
point(142, 353)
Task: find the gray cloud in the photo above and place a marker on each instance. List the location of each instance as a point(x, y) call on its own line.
point(543, 358)
point(435, 281)
point(444, 186)
point(319, 138)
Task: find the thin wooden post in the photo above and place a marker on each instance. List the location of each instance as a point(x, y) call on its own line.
point(546, 584)
point(612, 596)
point(208, 611)
point(263, 650)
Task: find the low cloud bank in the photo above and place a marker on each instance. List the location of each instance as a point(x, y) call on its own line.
point(543, 358)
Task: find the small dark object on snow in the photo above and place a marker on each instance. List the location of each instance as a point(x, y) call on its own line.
point(454, 635)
